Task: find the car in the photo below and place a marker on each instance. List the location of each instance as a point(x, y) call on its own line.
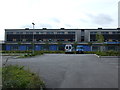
point(68, 48)
point(79, 49)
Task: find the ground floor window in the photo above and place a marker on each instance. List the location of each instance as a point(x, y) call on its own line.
point(14, 48)
point(95, 48)
point(111, 48)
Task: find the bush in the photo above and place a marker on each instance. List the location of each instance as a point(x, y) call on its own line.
point(89, 52)
point(104, 53)
point(17, 77)
point(108, 53)
point(17, 51)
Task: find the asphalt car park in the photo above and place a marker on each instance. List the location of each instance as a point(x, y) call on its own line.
point(72, 70)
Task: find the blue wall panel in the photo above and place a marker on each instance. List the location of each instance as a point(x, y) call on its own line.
point(53, 47)
point(23, 47)
point(38, 47)
point(8, 47)
point(86, 48)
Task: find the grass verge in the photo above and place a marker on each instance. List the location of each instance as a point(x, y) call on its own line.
point(17, 77)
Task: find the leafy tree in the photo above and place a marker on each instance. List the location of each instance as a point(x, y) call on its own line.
point(100, 38)
point(19, 43)
point(60, 47)
point(90, 43)
point(46, 46)
point(32, 45)
point(75, 45)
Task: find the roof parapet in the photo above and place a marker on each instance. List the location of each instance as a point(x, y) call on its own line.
point(26, 28)
point(99, 28)
point(44, 28)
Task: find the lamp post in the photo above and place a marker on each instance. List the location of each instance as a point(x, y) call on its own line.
point(33, 39)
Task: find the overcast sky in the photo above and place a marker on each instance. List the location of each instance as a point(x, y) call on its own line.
point(15, 14)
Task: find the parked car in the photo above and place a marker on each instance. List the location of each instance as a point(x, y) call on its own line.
point(79, 49)
point(68, 48)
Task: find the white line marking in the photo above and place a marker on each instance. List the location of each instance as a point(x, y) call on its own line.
point(96, 55)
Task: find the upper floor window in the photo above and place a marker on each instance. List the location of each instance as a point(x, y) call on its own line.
point(93, 32)
point(50, 32)
point(9, 32)
point(60, 32)
point(37, 32)
point(41, 32)
point(29, 32)
point(117, 32)
point(21, 32)
point(17, 32)
point(71, 32)
point(104, 32)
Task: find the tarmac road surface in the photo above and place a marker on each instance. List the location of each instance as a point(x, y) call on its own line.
point(73, 70)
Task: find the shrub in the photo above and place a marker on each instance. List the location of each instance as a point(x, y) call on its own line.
point(105, 53)
point(17, 77)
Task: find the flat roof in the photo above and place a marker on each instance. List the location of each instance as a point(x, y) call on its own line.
point(67, 29)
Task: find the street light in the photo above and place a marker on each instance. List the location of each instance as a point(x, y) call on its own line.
point(33, 39)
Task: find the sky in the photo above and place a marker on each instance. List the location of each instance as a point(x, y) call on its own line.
point(54, 14)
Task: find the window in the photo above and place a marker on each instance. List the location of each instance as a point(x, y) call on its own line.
point(29, 48)
point(37, 32)
point(60, 32)
point(24, 40)
point(29, 32)
point(17, 32)
point(116, 32)
point(9, 32)
point(14, 39)
point(15, 48)
point(21, 32)
point(82, 38)
point(104, 32)
point(41, 32)
point(114, 40)
point(95, 48)
point(93, 32)
point(111, 48)
point(50, 32)
point(71, 32)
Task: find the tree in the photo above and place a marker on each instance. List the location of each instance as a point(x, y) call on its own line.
point(60, 47)
point(100, 38)
point(19, 43)
point(90, 44)
point(75, 45)
point(46, 46)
